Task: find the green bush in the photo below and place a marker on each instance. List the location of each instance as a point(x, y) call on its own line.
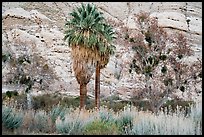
point(11, 119)
point(114, 105)
point(57, 111)
point(70, 102)
point(45, 102)
point(99, 127)
point(10, 94)
point(125, 121)
point(42, 122)
point(106, 115)
point(69, 126)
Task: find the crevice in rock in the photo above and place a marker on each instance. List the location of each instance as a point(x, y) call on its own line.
point(169, 27)
point(129, 12)
point(150, 8)
point(186, 17)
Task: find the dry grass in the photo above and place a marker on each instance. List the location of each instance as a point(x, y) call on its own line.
point(143, 122)
point(130, 120)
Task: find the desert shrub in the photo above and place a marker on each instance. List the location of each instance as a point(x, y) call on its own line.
point(69, 126)
point(21, 101)
point(5, 57)
point(37, 121)
point(70, 102)
point(99, 127)
point(129, 121)
point(165, 123)
point(10, 94)
point(106, 115)
point(28, 122)
point(42, 122)
point(141, 104)
point(109, 103)
point(45, 102)
point(90, 103)
point(172, 106)
point(57, 111)
point(115, 105)
point(10, 118)
point(125, 120)
point(196, 116)
point(146, 127)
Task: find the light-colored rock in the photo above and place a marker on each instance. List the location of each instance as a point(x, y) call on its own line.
point(194, 25)
point(35, 13)
point(47, 38)
point(16, 12)
point(171, 19)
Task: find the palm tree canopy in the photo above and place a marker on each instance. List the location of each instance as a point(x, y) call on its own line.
point(105, 49)
point(84, 26)
point(87, 27)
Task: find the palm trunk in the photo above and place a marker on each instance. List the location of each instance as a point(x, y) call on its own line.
point(83, 92)
point(97, 86)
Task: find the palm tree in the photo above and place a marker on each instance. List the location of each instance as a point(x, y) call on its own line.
point(86, 37)
point(105, 50)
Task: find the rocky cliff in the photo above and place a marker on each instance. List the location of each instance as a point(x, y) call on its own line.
point(41, 25)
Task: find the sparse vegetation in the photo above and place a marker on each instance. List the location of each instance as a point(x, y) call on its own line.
point(159, 61)
point(128, 121)
point(11, 119)
point(148, 112)
point(69, 126)
point(26, 70)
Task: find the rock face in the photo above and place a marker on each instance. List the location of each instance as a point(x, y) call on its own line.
point(42, 24)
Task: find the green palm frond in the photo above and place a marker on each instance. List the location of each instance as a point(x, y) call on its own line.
point(88, 28)
point(105, 47)
point(75, 15)
point(108, 33)
point(84, 19)
point(93, 40)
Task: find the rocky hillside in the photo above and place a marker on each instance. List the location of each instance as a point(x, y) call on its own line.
point(40, 25)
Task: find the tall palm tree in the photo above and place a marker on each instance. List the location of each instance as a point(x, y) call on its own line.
point(84, 35)
point(104, 50)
